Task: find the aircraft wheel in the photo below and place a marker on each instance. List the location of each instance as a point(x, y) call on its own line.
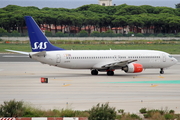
point(161, 71)
point(110, 73)
point(94, 72)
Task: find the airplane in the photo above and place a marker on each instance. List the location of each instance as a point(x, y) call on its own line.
point(130, 61)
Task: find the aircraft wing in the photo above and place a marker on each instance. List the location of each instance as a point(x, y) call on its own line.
point(20, 52)
point(119, 64)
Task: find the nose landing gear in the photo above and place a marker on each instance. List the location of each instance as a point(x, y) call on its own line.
point(161, 71)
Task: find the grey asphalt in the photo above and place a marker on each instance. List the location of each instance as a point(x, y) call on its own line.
point(78, 90)
point(15, 58)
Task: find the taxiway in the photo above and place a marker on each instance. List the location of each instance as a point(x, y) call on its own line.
point(78, 90)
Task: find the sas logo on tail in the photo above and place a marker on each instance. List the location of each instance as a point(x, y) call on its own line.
point(41, 45)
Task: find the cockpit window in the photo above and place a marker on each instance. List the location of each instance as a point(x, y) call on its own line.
point(170, 56)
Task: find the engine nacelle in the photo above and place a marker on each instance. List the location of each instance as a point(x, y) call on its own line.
point(133, 68)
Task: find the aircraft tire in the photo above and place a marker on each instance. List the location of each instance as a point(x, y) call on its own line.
point(110, 73)
point(161, 71)
point(94, 72)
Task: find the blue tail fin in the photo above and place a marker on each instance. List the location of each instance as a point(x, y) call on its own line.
point(38, 40)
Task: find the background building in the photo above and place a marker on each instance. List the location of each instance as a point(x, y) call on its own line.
point(105, 2)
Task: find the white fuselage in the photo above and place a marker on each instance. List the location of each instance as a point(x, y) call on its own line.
point(130, 61)
point(95, 59)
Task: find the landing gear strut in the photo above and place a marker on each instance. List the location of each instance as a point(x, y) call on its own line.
point(94, 72)
point(110, 73)
point(161, 71)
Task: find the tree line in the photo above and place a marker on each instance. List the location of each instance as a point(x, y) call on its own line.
point(151, 19)
point(16, 109)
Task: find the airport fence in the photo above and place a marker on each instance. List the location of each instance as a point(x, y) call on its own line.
point(44, 118)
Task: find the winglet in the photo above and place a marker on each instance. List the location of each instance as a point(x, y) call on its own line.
point(38, 40)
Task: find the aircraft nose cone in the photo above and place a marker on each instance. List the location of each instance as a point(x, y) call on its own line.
point(175, 60)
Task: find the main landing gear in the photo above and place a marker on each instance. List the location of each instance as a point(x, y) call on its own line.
point(94, 72)
point(109, 72)
point(161, 71)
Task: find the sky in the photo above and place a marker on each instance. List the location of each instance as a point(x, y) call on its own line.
point(77, 3)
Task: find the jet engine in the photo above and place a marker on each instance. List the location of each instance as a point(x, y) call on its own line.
point(133, 68)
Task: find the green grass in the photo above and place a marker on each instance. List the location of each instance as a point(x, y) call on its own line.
point(171, 48)
point(20, 47)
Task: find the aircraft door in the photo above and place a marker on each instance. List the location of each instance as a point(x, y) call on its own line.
point(58, 58)
point(164, 57)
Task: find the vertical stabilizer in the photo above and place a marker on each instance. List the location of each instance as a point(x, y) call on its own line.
point(38, 40)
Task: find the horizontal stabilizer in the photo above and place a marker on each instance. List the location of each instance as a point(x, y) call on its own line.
point(20, 52)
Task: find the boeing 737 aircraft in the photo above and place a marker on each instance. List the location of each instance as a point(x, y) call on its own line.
point(130, 61)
